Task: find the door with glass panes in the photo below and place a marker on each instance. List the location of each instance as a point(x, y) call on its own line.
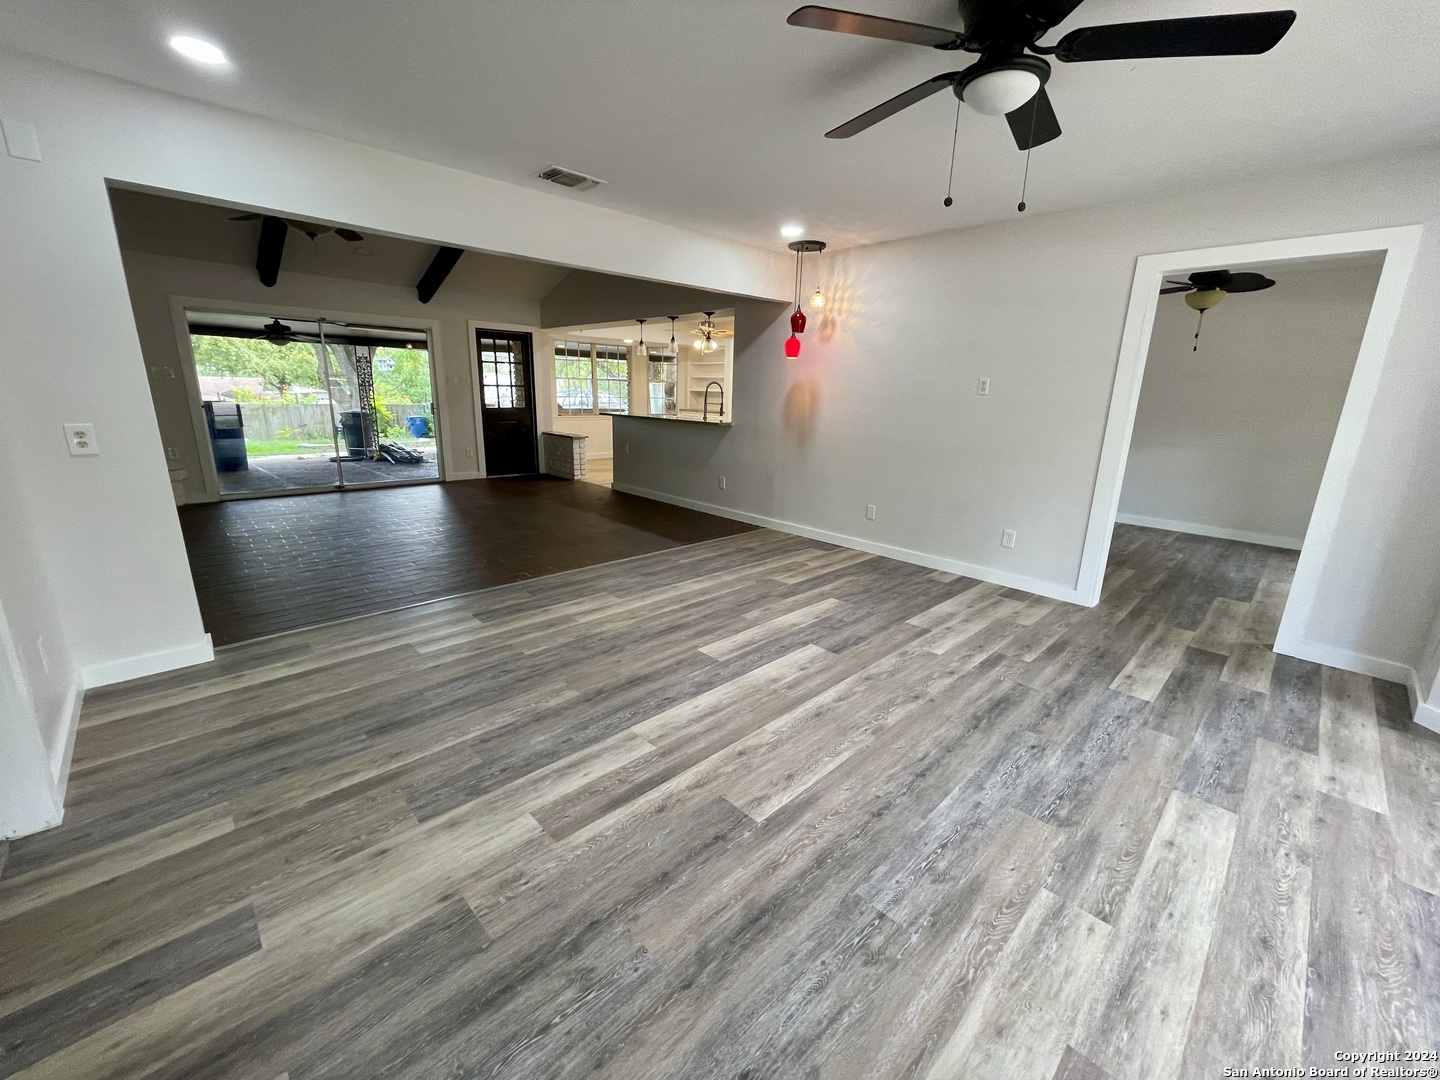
point(507, 402)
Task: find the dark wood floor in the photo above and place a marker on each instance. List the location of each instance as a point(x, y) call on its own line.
point(263, 566)
point(755, 808)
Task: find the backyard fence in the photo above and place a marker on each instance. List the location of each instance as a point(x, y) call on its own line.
point(265, 420)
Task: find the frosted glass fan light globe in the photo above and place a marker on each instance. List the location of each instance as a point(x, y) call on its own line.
point(1002, 91)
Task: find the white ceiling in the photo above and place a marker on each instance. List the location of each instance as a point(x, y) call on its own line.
point(710, 113)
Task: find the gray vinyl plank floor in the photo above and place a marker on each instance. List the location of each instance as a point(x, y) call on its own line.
point(753, 807)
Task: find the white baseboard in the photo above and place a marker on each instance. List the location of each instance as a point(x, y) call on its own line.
point(469, 474)
point(889, 551)
point(1347, 660)
point(137, 667)
point(599, 457)
point(64, 748)
point(1268, 539)
point(1427, 716)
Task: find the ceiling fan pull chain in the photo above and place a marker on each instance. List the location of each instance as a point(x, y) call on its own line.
point(955, 138)
point(1198, 324)
point(1029, 145)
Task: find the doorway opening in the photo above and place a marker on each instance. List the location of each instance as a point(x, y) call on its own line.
point(291, 406)
point(1395, 250)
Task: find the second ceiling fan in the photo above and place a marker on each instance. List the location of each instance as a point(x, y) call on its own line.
point(1010, 76)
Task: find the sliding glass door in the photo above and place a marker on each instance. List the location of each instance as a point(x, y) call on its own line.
point(298, 406)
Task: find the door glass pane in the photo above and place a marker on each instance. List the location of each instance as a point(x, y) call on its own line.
point(267, 413)
point(502, 374)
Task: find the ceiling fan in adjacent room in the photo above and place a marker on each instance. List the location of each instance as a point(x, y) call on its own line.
point(1010, 76)
point(279, 333)
point(707, 337)
point(310, 228)
point(1206, 288)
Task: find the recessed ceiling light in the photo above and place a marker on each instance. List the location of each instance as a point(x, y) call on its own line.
point(629, 341)
point(198, 49)
point(792, 230)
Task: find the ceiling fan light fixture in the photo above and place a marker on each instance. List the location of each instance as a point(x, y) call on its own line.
point(1204, 299)
point(1000, 90)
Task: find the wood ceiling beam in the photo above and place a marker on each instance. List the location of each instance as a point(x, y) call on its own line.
point(438, 270)
point(272, 247)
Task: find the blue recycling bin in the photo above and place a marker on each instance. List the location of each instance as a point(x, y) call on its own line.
point(419, 426)
point(227, 436)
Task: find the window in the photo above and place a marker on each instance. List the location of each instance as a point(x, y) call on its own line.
point(502, 373)
point(591, 378)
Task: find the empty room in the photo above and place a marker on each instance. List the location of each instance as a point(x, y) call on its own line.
point(687, 540)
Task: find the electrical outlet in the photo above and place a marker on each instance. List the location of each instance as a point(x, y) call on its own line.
point(983, 388)
point(469, 451)
point(1007, 538)
point(81, 438)
point(870, 512)
point(722, 483)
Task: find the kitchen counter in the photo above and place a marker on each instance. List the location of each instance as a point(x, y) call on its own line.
point(673, 419)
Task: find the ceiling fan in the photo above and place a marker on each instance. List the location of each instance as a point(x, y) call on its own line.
point(707, 337)
point(1206, 288)
point(309, 228)
point(279, 333)
point(1005, 80)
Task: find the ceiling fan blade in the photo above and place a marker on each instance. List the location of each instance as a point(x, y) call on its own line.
point(1245, 281)
point(1053, 12)
point(349, 234)
point(1175, 289)
point(893, 106)
point(853, 22)
point(247, 217)
point(1209, 35)
point(1211, 279)
point(1034, 123)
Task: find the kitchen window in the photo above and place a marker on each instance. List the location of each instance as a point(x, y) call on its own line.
point(591, 379)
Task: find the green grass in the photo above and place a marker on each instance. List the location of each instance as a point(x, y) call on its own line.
point(276, 447)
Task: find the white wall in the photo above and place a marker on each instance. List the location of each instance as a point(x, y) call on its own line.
point(599, 443)
point(1232, 440)
point(882, 407)
point(39, 686)
point(154, 279)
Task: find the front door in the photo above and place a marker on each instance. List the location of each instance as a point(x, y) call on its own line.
point(507, 402)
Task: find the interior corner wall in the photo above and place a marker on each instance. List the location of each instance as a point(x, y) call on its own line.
point(1232, 439)
point(881, 407)
point(154, 279)
point(105, 528)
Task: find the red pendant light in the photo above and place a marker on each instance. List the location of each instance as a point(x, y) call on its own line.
point(797, 317)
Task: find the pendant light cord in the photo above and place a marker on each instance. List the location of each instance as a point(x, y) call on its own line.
point(954, 141)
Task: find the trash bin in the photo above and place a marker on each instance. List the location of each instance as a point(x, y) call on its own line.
point(419, 426)
point(353, 434)
point(227, 436)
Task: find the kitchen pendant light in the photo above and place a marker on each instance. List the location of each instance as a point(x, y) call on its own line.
point(797, 317)
point(674, 348)
point(640, 350)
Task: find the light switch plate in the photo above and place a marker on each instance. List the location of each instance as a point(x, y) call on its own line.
point(20, 140)
point(81, 440)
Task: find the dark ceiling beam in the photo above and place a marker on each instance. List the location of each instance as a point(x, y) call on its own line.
point(439, 269)
point(272, 246)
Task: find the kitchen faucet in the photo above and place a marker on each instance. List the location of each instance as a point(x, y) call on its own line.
point(705, 412)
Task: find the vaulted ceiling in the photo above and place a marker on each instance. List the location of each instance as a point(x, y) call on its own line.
point(711, 114)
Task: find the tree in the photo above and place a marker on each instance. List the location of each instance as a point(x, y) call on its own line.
point(282, 367)
point(408, 381)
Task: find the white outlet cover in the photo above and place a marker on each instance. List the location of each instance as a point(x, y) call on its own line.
point(1007, 538)
point(722, 483)
point(870, 512)
point(983, 387)
point(81, 440)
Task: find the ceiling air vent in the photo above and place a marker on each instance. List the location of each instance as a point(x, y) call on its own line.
point(573, 180)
